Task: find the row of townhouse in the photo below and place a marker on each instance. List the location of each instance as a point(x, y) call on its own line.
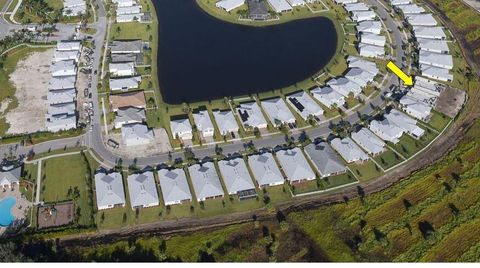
point(61, 97)
point(421, 98)
point(371, 41)
point(128, 10)
point(434, 54)
point(72, 8)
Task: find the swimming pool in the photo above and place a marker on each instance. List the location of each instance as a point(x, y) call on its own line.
point(6, 217)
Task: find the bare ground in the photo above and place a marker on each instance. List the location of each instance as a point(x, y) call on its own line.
point(30, 79)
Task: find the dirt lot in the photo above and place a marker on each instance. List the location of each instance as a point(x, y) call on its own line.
point(450, 101)
point(55, 215)
point(30, 79)
point(160, 145)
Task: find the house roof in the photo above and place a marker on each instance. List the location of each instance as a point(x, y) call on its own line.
point(386, 130)
point(229, 4)
point(356, 7)
point(63, 67)
point(68, 45)
point(257, 8)
point(280, 5)
point(373, 39)
point(359, 76)
point(327, 96)
point(324, 158)
point(109, 189)
point(62, 108)
point(63, 82)
point(367, 50)
point(368, 141)
point(174, 185)
point(125, 83)
point(180, 126)
point(294, 164)
point(419, 110)
point(400, 2)
point(304, 104)
point(202, 120)
point(436, 59)
point(128, 10)
point(235, 175)
point(433, 44)
point(349, 150)
point(405, 122)
point(128, 57)
point(277, 110)
point(134, 99)
point(369, 26)
point(66, 55)
point(344, 86)
point(421, 19)
point(130, 114)
point(126, 46)
point(133, 132)
point(363, 15)
point(121, 66)
point(61, 96)
point(8, 177)
point(429, 32)
point(205, 180)
point(142, 189)
point(251, 114)
point(225, 120)
point(363, 64)
point(436, 72)
point(411, 9)
point(265, 169)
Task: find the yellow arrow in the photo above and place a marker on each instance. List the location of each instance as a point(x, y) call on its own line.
point(407, 80)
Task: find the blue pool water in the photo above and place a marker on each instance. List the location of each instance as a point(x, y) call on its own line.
point(6, 217)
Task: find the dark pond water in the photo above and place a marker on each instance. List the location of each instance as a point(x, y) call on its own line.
point(202, 58)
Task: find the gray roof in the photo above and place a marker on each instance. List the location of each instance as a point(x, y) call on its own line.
point(429, 32)
point(133, 46)
point(203, 121)
point(304, 104)
point(344, 86)
point(405, 122)
point(205, 180)
point(142, 190)
point(295, 164)
point(433, 45)
point(363, 64)
point(421, 19)
point(63, 68)
point(61, 96)
point(386, 130)
point(133, 133)
point(62, 122)
point(130, 114)
point(369, 26)
point(367, 50)
point(368, 141)
point(225, 121)
point(257, 8)
point(63, 82)
point(251, 115)
point(174, 185)
point(325, 159)
point(235, 175)
point(129, 57)
point(61, 109)
point(10, 176)
point(349, 150)
point(109, 189)
point(359, 76)
point(277, 111)
point(265, 169)
point(328, 97)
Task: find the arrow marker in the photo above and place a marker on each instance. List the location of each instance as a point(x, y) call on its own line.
point(407, 80)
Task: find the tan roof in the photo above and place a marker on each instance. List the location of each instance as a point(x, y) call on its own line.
point(134, 99)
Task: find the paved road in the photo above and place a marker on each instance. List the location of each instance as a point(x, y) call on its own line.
point(94, 137)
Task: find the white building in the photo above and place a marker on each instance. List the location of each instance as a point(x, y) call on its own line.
point(125, 83)
point(415, 108)
point(304, 105)
point(400, 2)
point(296, 3)
point(236, 178)
point(370, 26)
point(128, 10)
point(295, 165)
point(410, 9)
point(405, 122)
point(136, 134)
point(429, 32)
point(325, 160)
point(129, 115)
point(421, 20)
point(386, 130)
point(122, 69)
point(109, 190)
point(229, 5)
point(61, 96)
point(265, 170)
point(181, 129)
point(204, 123)
point(433, 45)
point(435, 59)
point(328, 97)
point(205, 181)
point(363, 64)
point(277, 111)
point(280, 6)
point(63, 68)
point(349, 151)
point(62, 83)
point(124, 3)
point(142, 190)
point(370, 51)
point(251, 115)
point(359, 16)
point(174, 186)
point(373, 39)
point(369, 141)
point(60, 55)
point(343, 2)
point(359, 76)
point(356, 7)
point(61, 122)
point(68, 46)
point(225, 121)
point(344, 86)
point(10, 177)
point(436, 73)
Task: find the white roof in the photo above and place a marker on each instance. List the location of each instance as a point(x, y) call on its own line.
point(371, 51)
point(251, 115)
point(63, 122)
point(128, 10)
point(73, 3)
point(66, 55)
point(295, 3)
point(8, 177)
point(436, 73)
point(429, 32)
point(205, 180)
point(363, 15)
point(109, 189)
point(265, 169)
point(411, 9)
point(125, 83)
point(280, 5)
point(427, 85)
point(61, 96)
point(74, 10)
point(421, 20)
point(356, 7)
point(304, 104)
point(202, 120)
point(363, 64)
point(400, 2)
point(235, 175)
point(129, 17)
point(349, 150)
point(134, 134)
point(63, 68)
point(174, 185)
point(121, 67)
point(63, 108)
point(225, 121)
point(370, 26)
point(277, 111)
point(368, 141)
point(181, 126)
point(295, 165)
point(436, 59)
point(344, 86)
point(62, 82)
point(386, 130)
point(372, 39)
point(142, 190)
point(405, 122)
point(339, 2)
point(229, 5)
point(432, 45)
point(327, 162)
point(328, 97)
point(68, 45)
point(359, 76)
point(415, 108)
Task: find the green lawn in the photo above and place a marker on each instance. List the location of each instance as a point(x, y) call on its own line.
point(438, 120)
point(388, 159)
point(306, 187)
point(366, 171)
point(338, 180)
point(60, 176)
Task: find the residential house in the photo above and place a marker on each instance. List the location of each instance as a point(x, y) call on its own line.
point(181, 129)
point(63, 68)
point(371, 51)
point(325, 160)
point(174, 186)
point(295, 165)
point(226, 122)
point(359, 16)
point(433, 45)
point(142, 190)
point(68, 46)
point(251, 115)
point(372, 39)
point(205, 181)
point(415, 108)
point(128, 99)
point(61, 55)
point(129, 115)
point(125, 83)
point(109, 190)
point(258, 10)
point(277, 111)
point(126, 47)
point(9, 177)
point(405, 122)
point(328, 97)
point(369, 141)
point(280, 6)
point(204, 123)
point(349, 151)
point(229, 5)
point(386, 131)
point(304, 105)
point(62, 83)
point(434, 59)
point(122, 69)
point(344, 86)
point(370, 26)
point(429, 32)
point(236, 178)
point(136, 134)
point(421, 19)
point(265, 170)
